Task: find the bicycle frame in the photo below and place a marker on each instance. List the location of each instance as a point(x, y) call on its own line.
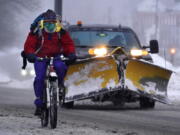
point(51, 76)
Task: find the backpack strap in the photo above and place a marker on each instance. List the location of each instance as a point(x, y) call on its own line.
point(60, 33)
point(41, 39)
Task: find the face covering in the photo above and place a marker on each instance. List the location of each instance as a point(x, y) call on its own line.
point(49, 27)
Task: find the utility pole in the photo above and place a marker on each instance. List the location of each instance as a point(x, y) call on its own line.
point(172, 55)
point(58, 7)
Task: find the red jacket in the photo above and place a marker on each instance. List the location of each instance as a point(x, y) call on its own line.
point(51, 47)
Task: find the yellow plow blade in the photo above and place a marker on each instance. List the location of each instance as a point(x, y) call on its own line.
point(91, 75)
point(146, 78)
point(94, 76)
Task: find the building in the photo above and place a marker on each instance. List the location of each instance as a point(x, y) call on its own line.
point(160, 21)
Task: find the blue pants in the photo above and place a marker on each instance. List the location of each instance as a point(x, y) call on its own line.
point(40, 70)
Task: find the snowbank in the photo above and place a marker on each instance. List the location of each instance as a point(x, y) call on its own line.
point(174, 88)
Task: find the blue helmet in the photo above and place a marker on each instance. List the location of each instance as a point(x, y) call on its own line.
point(48, 15)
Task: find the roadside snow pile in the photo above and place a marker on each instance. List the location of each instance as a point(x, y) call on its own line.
point(174, 88)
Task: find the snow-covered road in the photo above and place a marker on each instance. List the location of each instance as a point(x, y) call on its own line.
point(16, 118)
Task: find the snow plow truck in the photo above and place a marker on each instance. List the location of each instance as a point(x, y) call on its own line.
point(113, 66)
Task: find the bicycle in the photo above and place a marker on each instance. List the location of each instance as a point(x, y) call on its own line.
point(51, 98)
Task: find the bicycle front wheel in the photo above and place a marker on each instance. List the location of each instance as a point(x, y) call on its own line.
point(53, 105)
point(45, 112)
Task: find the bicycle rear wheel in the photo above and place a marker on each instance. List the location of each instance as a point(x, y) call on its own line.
point(45, 111)
point(53, 105)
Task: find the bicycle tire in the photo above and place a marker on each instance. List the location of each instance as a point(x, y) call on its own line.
point(44, 117)
point(53, 105)
point(45, 111)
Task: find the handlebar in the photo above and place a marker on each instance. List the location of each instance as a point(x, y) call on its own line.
point(61, 57)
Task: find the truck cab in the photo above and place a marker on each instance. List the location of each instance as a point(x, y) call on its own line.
point(87, 37)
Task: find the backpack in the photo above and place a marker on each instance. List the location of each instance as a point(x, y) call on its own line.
point(36, 28)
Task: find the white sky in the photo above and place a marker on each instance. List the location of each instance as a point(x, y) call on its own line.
point(99, 11)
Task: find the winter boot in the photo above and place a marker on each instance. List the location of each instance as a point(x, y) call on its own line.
point(38, 111)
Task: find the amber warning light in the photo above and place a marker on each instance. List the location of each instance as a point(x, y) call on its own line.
point(79, 23)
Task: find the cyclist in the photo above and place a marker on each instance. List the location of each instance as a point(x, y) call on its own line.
point(48, 39)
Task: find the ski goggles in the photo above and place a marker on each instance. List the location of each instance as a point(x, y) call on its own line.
point(50, 25)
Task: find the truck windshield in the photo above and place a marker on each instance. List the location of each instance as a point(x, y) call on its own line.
point(126, 39)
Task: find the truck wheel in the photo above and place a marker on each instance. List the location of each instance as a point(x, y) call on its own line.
point(68, 105)
point(146, 103)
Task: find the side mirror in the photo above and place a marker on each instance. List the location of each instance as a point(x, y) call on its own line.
point(154, 46)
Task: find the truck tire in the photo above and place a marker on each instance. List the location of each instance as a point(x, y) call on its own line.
point(146, 103)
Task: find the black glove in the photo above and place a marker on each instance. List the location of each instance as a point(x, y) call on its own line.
point(23, 55)
point(31, 57)
point(72, 58)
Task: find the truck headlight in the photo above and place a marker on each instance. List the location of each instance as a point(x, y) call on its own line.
point(138, 52)
point(101, 51)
